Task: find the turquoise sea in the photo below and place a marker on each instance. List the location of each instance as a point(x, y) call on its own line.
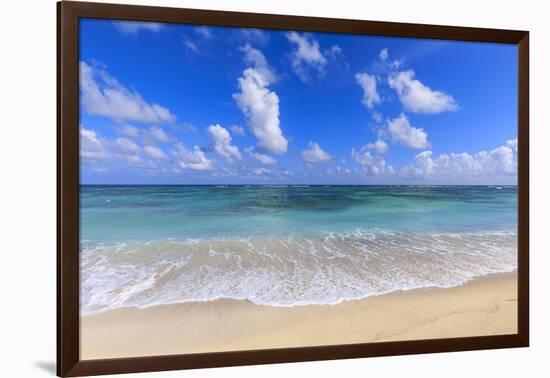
point(287, 245)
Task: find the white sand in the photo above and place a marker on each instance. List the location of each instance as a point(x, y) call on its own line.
point(486, 306)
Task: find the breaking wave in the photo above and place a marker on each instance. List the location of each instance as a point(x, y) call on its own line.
point(292, 271)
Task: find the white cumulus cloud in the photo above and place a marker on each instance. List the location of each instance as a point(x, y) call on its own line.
point(91, 145)
point(157, 134)
point(155, 153)
point(306, 55)
point(194, 159)
point(259, 104)
point(222, 143)
point(379, 146)
point(403, 133)
point(334, 51)
point(370, 93)
point(128, 130)
point(256, 58)
point(371, 165)
point(377, 117)
point(95, 148)
point(127, 146)
point(262, 158)
point(499, 162)
point(315, 154)
point(102, 94)
point(417, 97)
point(261, 171)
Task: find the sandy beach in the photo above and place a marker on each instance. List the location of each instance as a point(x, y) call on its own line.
point(485, 306)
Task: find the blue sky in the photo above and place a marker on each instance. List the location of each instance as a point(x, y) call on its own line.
point(181, 104)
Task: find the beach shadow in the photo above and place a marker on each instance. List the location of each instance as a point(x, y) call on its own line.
point(48, 367)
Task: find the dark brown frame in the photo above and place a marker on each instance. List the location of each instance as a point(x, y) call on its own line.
point(68, 361)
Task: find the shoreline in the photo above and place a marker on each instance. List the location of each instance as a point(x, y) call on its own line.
point(484, 306)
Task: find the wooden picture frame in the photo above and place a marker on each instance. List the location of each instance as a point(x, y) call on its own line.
point(68, 360)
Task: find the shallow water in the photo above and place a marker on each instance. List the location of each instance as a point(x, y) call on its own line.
point(287, 245)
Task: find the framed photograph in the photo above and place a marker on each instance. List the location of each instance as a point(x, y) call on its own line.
point(238, 188)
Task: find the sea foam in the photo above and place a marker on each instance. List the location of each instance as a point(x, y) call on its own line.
point(290, 271)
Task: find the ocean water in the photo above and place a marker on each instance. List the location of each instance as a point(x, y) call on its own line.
point(287, 245)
